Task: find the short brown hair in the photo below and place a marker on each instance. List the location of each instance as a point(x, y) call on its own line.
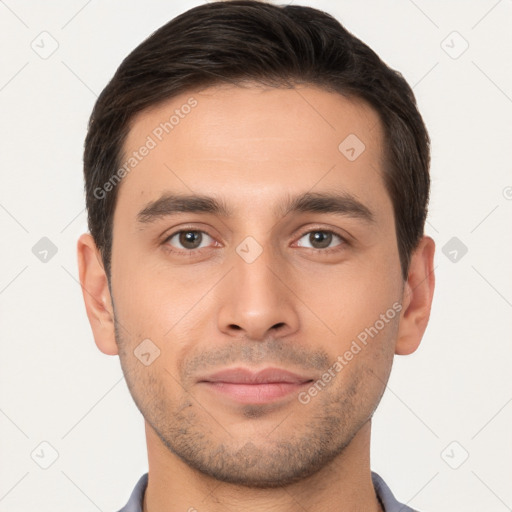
point(248, 40)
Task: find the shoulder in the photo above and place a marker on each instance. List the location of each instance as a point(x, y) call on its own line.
point(388, 500)
point(135, 502)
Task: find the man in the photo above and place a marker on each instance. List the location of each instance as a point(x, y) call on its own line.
point(257, 182)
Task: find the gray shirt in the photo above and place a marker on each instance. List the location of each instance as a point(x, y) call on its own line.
point(386, 498)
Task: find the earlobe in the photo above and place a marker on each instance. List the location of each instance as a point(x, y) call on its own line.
point(96, 293)
point(417, 298)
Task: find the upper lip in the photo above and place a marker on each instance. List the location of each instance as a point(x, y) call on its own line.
point(247, 376)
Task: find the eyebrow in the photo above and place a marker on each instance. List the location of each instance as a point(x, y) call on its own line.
point(343, 204)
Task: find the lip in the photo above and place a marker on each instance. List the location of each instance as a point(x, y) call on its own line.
point(246, 386)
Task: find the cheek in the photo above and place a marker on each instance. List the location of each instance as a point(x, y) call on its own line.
point(364, 359)
point(350, 300)
point(146, 299)
point(170, 308)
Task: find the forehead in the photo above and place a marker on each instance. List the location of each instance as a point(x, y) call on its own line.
point(251, 143)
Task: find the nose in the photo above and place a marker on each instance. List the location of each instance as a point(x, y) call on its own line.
point(257, 298)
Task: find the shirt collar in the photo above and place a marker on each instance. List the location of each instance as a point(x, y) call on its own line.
point(383, 492)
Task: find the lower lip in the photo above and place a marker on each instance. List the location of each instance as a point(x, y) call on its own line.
point(256, 393)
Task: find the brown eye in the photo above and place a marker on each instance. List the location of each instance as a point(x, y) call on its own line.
point(321, 239)
point(188, 239)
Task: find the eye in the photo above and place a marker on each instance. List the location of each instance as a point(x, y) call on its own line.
point(321, 239)
point(189, 239)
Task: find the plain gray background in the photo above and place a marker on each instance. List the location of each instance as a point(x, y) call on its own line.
point(441, 436)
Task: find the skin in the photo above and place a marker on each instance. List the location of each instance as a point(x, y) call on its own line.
point(295, 306)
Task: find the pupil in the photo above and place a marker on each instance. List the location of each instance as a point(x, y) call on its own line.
point(324, 239)
point(188, 238)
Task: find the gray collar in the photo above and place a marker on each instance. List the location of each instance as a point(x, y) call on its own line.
point(383, 492)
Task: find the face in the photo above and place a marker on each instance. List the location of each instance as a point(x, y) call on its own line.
point(256, 329)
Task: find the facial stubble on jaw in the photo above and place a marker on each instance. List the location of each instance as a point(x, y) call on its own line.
point(275, 459)
point(279, 457)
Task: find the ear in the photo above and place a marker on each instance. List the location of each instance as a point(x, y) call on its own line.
point(417, 297)
point(96, 293)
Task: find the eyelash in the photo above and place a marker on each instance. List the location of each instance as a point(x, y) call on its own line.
point(193, 252)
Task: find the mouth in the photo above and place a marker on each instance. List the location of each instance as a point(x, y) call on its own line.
point(249, 387)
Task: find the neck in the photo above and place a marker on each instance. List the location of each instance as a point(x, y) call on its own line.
point(343, 485)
